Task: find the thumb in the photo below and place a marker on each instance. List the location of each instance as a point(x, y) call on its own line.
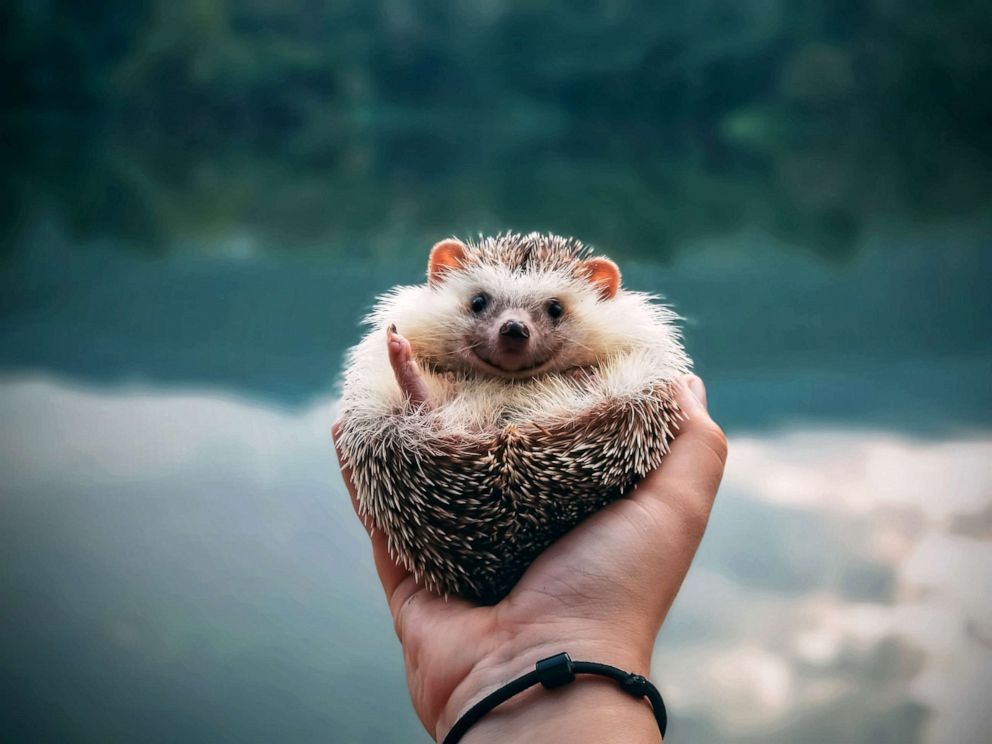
point(689, 475)
point(699, 450)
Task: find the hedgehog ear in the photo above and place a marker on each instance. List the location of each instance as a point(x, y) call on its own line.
point(602, 273)
point(445, 256)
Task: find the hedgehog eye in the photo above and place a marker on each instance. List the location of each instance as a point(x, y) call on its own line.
point(478, 303)
point(555, 310)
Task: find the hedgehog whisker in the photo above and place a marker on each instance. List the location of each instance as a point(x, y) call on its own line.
point(462, 349)
point(575, 342)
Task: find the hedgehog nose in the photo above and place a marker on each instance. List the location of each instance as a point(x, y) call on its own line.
point(514, 329)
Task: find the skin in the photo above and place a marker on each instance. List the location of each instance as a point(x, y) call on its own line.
point(405, 368)
point(601, 593)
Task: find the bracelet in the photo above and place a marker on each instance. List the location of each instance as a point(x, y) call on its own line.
point(556, 671)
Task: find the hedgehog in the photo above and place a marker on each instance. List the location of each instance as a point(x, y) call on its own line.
point(494, 407)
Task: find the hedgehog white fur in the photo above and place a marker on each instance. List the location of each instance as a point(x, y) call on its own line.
point(506, 438)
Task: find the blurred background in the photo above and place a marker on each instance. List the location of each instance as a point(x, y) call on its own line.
point(200, 199)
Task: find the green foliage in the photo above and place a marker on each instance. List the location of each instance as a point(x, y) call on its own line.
point(639, 126)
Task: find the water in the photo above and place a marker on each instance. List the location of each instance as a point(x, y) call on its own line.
point(180, 561)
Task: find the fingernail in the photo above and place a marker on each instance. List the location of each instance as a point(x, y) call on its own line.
point(697, 387)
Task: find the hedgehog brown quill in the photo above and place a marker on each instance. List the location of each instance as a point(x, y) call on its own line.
point(527, 390)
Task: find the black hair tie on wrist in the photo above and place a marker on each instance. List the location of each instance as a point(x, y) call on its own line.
point(556, 671)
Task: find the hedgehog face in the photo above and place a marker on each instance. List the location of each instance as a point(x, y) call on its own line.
point(515, 316)
point(512, 336)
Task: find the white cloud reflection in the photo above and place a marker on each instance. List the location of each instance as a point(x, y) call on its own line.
point(922, 509)
point(842, 593)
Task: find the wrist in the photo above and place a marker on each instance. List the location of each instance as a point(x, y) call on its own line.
point(565, 706)
point(589, 709)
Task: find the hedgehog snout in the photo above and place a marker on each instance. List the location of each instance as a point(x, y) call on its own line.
point(515, 329)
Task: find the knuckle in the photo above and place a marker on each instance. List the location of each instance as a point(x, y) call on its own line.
point(642, 516)
point(715, 438)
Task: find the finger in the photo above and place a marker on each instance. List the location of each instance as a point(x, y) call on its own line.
point(699, 450)
point(697, 388)
point(690, 473)
point(391, 574)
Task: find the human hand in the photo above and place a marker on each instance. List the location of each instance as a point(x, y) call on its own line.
point(601, 593)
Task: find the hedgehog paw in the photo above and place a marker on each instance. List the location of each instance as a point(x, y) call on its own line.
point(405, 368)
